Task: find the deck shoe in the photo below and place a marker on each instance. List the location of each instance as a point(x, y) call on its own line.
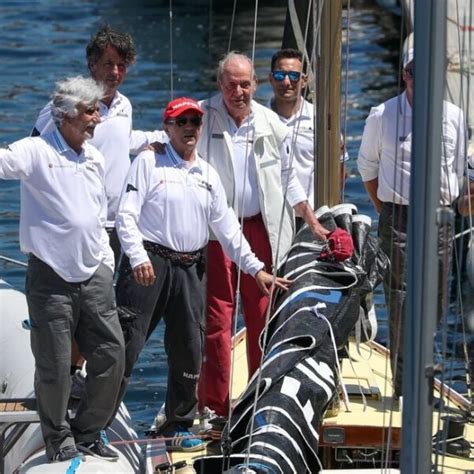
point(205, 420)
point(66, 453)
point(183, 440)
point(99, 448)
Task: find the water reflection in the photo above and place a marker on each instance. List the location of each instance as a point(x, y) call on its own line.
point(42, 41)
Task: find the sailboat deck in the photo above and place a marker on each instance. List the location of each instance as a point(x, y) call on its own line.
point(373, 422)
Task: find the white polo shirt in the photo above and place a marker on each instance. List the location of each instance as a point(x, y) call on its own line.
point(115, 139)
point(63, 204)
point(172, 202)
point(385, 150)
point(301, 134)
point(246, 180)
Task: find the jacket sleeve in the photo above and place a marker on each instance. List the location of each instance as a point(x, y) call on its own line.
point(133, 197)
point(139, 139)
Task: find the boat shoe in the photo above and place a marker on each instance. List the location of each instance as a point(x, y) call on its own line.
point(66, 454)
point(183, 440)
point(99, 448)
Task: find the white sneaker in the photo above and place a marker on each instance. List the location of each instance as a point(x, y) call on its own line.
point(160, 419)
point(204, 420)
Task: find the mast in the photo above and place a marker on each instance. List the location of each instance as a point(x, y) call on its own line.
point(327, 147)
point(422, 268)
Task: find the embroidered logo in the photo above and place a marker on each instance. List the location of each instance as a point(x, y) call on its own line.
point(130, 187)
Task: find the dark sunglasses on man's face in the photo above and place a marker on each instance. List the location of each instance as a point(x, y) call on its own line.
point(196, 120)
point(410, 72)
point(293, 76)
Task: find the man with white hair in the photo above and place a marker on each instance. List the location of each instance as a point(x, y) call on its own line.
point(385, 164)
point(249, 147)
point(109, 54)
point(70, 270)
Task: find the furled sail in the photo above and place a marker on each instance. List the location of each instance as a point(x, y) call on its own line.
point(274, 426)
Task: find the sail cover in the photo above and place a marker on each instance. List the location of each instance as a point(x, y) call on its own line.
point(275, 424)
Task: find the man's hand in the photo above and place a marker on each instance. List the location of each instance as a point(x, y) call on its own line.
point(157, 147)
point(144, 274)
point(319, 231)
point(304, 210)
point(265, 281)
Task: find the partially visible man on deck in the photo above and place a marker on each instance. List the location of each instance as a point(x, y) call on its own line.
point(163, 222)
point(289, 82)
point(249, 147)
point(109, 55)
point(70, 270)
point(384, 164)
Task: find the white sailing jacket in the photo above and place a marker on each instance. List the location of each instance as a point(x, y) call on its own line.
point(215, 146)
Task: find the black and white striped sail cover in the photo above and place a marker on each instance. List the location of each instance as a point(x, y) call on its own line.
point(297, 379)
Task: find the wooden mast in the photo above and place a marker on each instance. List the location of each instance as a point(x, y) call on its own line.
point(323, 45)
point(328, 103)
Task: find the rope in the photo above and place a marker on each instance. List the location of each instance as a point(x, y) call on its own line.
point(267, 314)
point(13, 261)
point(171, 50)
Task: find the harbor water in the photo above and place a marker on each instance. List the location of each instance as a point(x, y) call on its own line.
point(42, 41)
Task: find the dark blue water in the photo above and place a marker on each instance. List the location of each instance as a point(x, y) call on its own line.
point(43, 41)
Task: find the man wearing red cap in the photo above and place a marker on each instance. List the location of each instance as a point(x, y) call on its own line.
point(169, 203)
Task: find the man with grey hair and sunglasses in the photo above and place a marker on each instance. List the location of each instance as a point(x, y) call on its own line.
point(249, 147)
point(69, 278)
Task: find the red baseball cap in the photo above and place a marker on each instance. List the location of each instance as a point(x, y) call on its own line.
point(178, 106)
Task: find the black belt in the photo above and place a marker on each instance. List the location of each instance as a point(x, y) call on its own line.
point(393, 205)
point(255, 218)
point(184, 258)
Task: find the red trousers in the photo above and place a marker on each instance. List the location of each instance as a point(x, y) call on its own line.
point(213, 390)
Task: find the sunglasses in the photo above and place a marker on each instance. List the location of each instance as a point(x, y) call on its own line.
point(293, 76)
point(182, 121)
point(409, 72)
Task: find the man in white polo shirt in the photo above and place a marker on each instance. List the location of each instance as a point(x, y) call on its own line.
point(289, 82)
point(70, 270)
point(169, 203)
point(249, 148)
point(109, 54)
point(384, 164)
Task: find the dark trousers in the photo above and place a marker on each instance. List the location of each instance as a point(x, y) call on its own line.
point(177, 296)
point(392, 230)
point(86, 311)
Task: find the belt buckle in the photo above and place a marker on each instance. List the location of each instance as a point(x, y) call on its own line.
point(186, 259)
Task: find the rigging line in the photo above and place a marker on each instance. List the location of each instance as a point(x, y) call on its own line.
point(299, 113)
point(13, 261)
point(462, 100)
point(346, 99)
point(171, 48)
point(225, 458)
point(395, 344)
point(267, 315)
point(232, 21)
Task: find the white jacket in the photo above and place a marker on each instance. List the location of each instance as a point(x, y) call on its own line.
point(215, 146)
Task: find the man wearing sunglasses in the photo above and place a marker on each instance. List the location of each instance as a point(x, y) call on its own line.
point(384, 165)
point(169, 203)
point(249, 147)
point(289, 84)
